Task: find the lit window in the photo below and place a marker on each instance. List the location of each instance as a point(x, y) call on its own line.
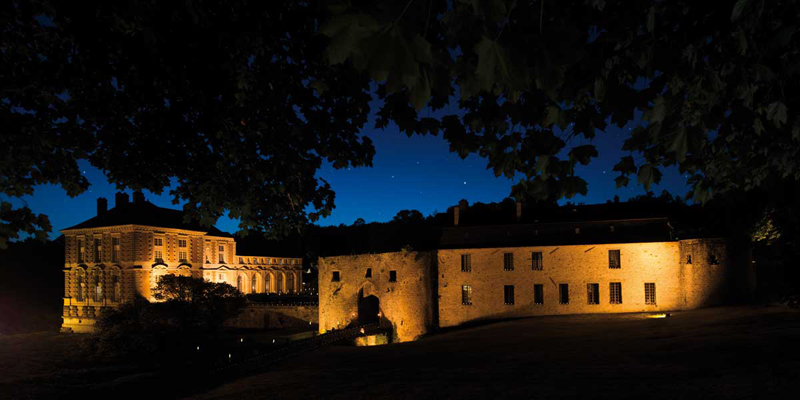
point(266, 283)
point(98, 286)
point(116, 293)
point(80, 284)
point(181, 242)
point(369, 273)
point(614, 260)
point(158, 242)
point(538, 294)
point(508, 261)
point(563, 293)
point(253, 283)
point(289, 282)
point(508, 294)
point(536, 261)
point(466, 295)
point(650, 293)
point(336, 277)
point(466, 263)
point(81, 250)
point(392, 276)
point(159, 256)
point(183, 257)
point(615, 291)
point(239, 286)
point(593, 293)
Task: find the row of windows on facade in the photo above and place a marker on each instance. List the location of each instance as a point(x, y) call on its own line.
point(592, 293)
point(336, 277)
point(265, 289)
point(537, 261)
point(95, 288)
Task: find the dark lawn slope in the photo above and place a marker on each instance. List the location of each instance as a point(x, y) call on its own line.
point(719, 352)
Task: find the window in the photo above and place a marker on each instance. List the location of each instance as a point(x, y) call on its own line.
point(369, 273)
point(116, 293)
point(98, 250)
point(220, 278)
point(115, 249)
point(688, 258)
point(538, 294)
point(615, 290)
point(392, 276)
point(81, 250)
point(592, 293)
point(98, 286)
point(577, 230)
point(336, 277)
point(181, 242)
point(182, 256)
point(466, 263)
point(613, 259)
point(508, 292)
point(466, 295)
point(80, 283)
point(712, 259)
point(158, 241)
point(239, 283)
point(159, 256)
point(253, 283)
point(650, 293)
point(563, 293)
point(221, 254)
point(289, 282)
point(266, 283)
point(508, 261)
point(536, 261)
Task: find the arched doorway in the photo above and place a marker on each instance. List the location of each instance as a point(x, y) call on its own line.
point(368, 309)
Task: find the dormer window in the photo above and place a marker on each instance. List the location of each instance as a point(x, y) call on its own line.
point(611, 228)
point(577, 230)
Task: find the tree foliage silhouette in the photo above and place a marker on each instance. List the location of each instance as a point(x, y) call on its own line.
point(240, 103)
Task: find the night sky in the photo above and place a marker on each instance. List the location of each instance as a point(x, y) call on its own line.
point(408, 173)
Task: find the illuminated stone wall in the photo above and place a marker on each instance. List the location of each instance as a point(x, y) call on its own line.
point(406, 305)
point(678, 284)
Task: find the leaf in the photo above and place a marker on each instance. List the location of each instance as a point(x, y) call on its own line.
point(657, 112)
point(319, 86)
point(758, 126)
point(679, 144)
point(777, 113)
point(583, 154)
point(738, 8)
point(551, 116)
point(648, 175)
point(541, 165)
point(622, 181)
point(496, 71)
point(625, 166)
point(572, 185)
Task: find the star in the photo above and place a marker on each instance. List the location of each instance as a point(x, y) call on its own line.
point(465, 182)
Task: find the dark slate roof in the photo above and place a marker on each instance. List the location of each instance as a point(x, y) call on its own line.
point(557, 233)
point(146, 213)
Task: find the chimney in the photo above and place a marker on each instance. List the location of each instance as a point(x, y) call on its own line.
point(616, 199)
point(519, 211)
point(102, 206)
point(138, 197)
point(120, 199)
point(456, 211)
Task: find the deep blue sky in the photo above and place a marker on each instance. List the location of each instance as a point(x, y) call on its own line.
point(408, 173)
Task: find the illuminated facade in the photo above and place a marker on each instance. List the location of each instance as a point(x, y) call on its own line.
point(119, 255)
point(508, 271)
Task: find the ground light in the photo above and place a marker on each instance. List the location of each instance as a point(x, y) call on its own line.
point(659, 315)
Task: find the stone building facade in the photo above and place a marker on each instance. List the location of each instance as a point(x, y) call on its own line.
point(120, 254)
point(612, 266)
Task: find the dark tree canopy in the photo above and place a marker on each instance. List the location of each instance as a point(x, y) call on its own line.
point(215, 95)
point(241, 102)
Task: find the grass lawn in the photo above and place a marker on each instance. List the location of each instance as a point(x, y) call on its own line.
point(735, 352)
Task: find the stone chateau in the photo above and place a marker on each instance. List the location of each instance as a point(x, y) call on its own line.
point(555, 265)
point(120, 253)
